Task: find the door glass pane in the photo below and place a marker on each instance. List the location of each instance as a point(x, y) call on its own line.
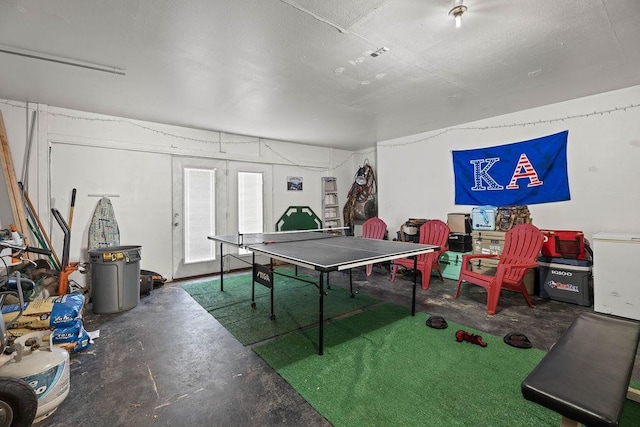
point(199, 214)
point(250, 208)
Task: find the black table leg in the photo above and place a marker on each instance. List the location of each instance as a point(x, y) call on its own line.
point(351, 283)
point(321, 320)
point(273, 316)
point(415, 280)
point(221, 269)
point(253, 280)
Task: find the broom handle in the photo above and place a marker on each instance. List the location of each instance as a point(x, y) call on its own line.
point(73, 204)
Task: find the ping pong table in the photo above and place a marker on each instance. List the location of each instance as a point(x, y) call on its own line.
point(321, 251)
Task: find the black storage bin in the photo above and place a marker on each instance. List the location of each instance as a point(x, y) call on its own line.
point(460, 242)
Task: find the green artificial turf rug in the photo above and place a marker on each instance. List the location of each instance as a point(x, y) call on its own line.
point(383, 367)
point(295, 305)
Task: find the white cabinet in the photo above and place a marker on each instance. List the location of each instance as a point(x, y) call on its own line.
point(616, 286)
point(331, 215)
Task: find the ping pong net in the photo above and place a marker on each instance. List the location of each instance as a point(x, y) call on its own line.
point(248, 239)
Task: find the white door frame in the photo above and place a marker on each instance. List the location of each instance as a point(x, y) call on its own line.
point(232, 180)
point(178, 165)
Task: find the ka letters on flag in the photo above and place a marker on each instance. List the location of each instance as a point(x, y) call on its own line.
point(521, 173)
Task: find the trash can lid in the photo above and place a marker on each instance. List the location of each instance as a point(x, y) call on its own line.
point(115, 253)
point(115, 249)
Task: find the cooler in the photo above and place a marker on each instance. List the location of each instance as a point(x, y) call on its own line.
point(451, 263)
point(488, 242)
point(484, 218)
point(566, 280)
point(489, 266)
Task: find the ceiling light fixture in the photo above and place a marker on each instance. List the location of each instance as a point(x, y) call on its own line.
point(456, 11)
point(60, 60)
point(380, 51)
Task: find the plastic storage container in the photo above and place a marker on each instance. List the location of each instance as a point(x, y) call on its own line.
point(115, 278)
point(459, 222)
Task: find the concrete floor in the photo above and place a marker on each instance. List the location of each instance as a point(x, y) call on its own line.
point(167, 362)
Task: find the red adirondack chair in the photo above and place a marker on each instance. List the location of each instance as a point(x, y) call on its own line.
point(432, 232)
point(521, 248)
point(373, 228)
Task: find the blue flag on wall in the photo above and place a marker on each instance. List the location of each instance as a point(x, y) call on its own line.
point(521, 173)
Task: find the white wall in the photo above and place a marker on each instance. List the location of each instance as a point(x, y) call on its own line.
point(132, 160)
point(110, 155)
point(416, 173)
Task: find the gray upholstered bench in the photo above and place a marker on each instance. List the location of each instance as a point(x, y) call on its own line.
point(585, 376)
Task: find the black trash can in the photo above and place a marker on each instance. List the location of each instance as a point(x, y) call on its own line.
point(115, 278)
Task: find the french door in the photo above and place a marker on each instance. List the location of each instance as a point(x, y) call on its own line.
point(216, 197)
point(200, 209)
point(251, 203)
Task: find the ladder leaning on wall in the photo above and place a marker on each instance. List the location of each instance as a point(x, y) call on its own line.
point(331, 217)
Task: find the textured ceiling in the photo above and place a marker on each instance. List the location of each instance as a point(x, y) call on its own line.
point(302, 70)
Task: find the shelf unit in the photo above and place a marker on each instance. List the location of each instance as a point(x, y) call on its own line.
point(331, 217)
